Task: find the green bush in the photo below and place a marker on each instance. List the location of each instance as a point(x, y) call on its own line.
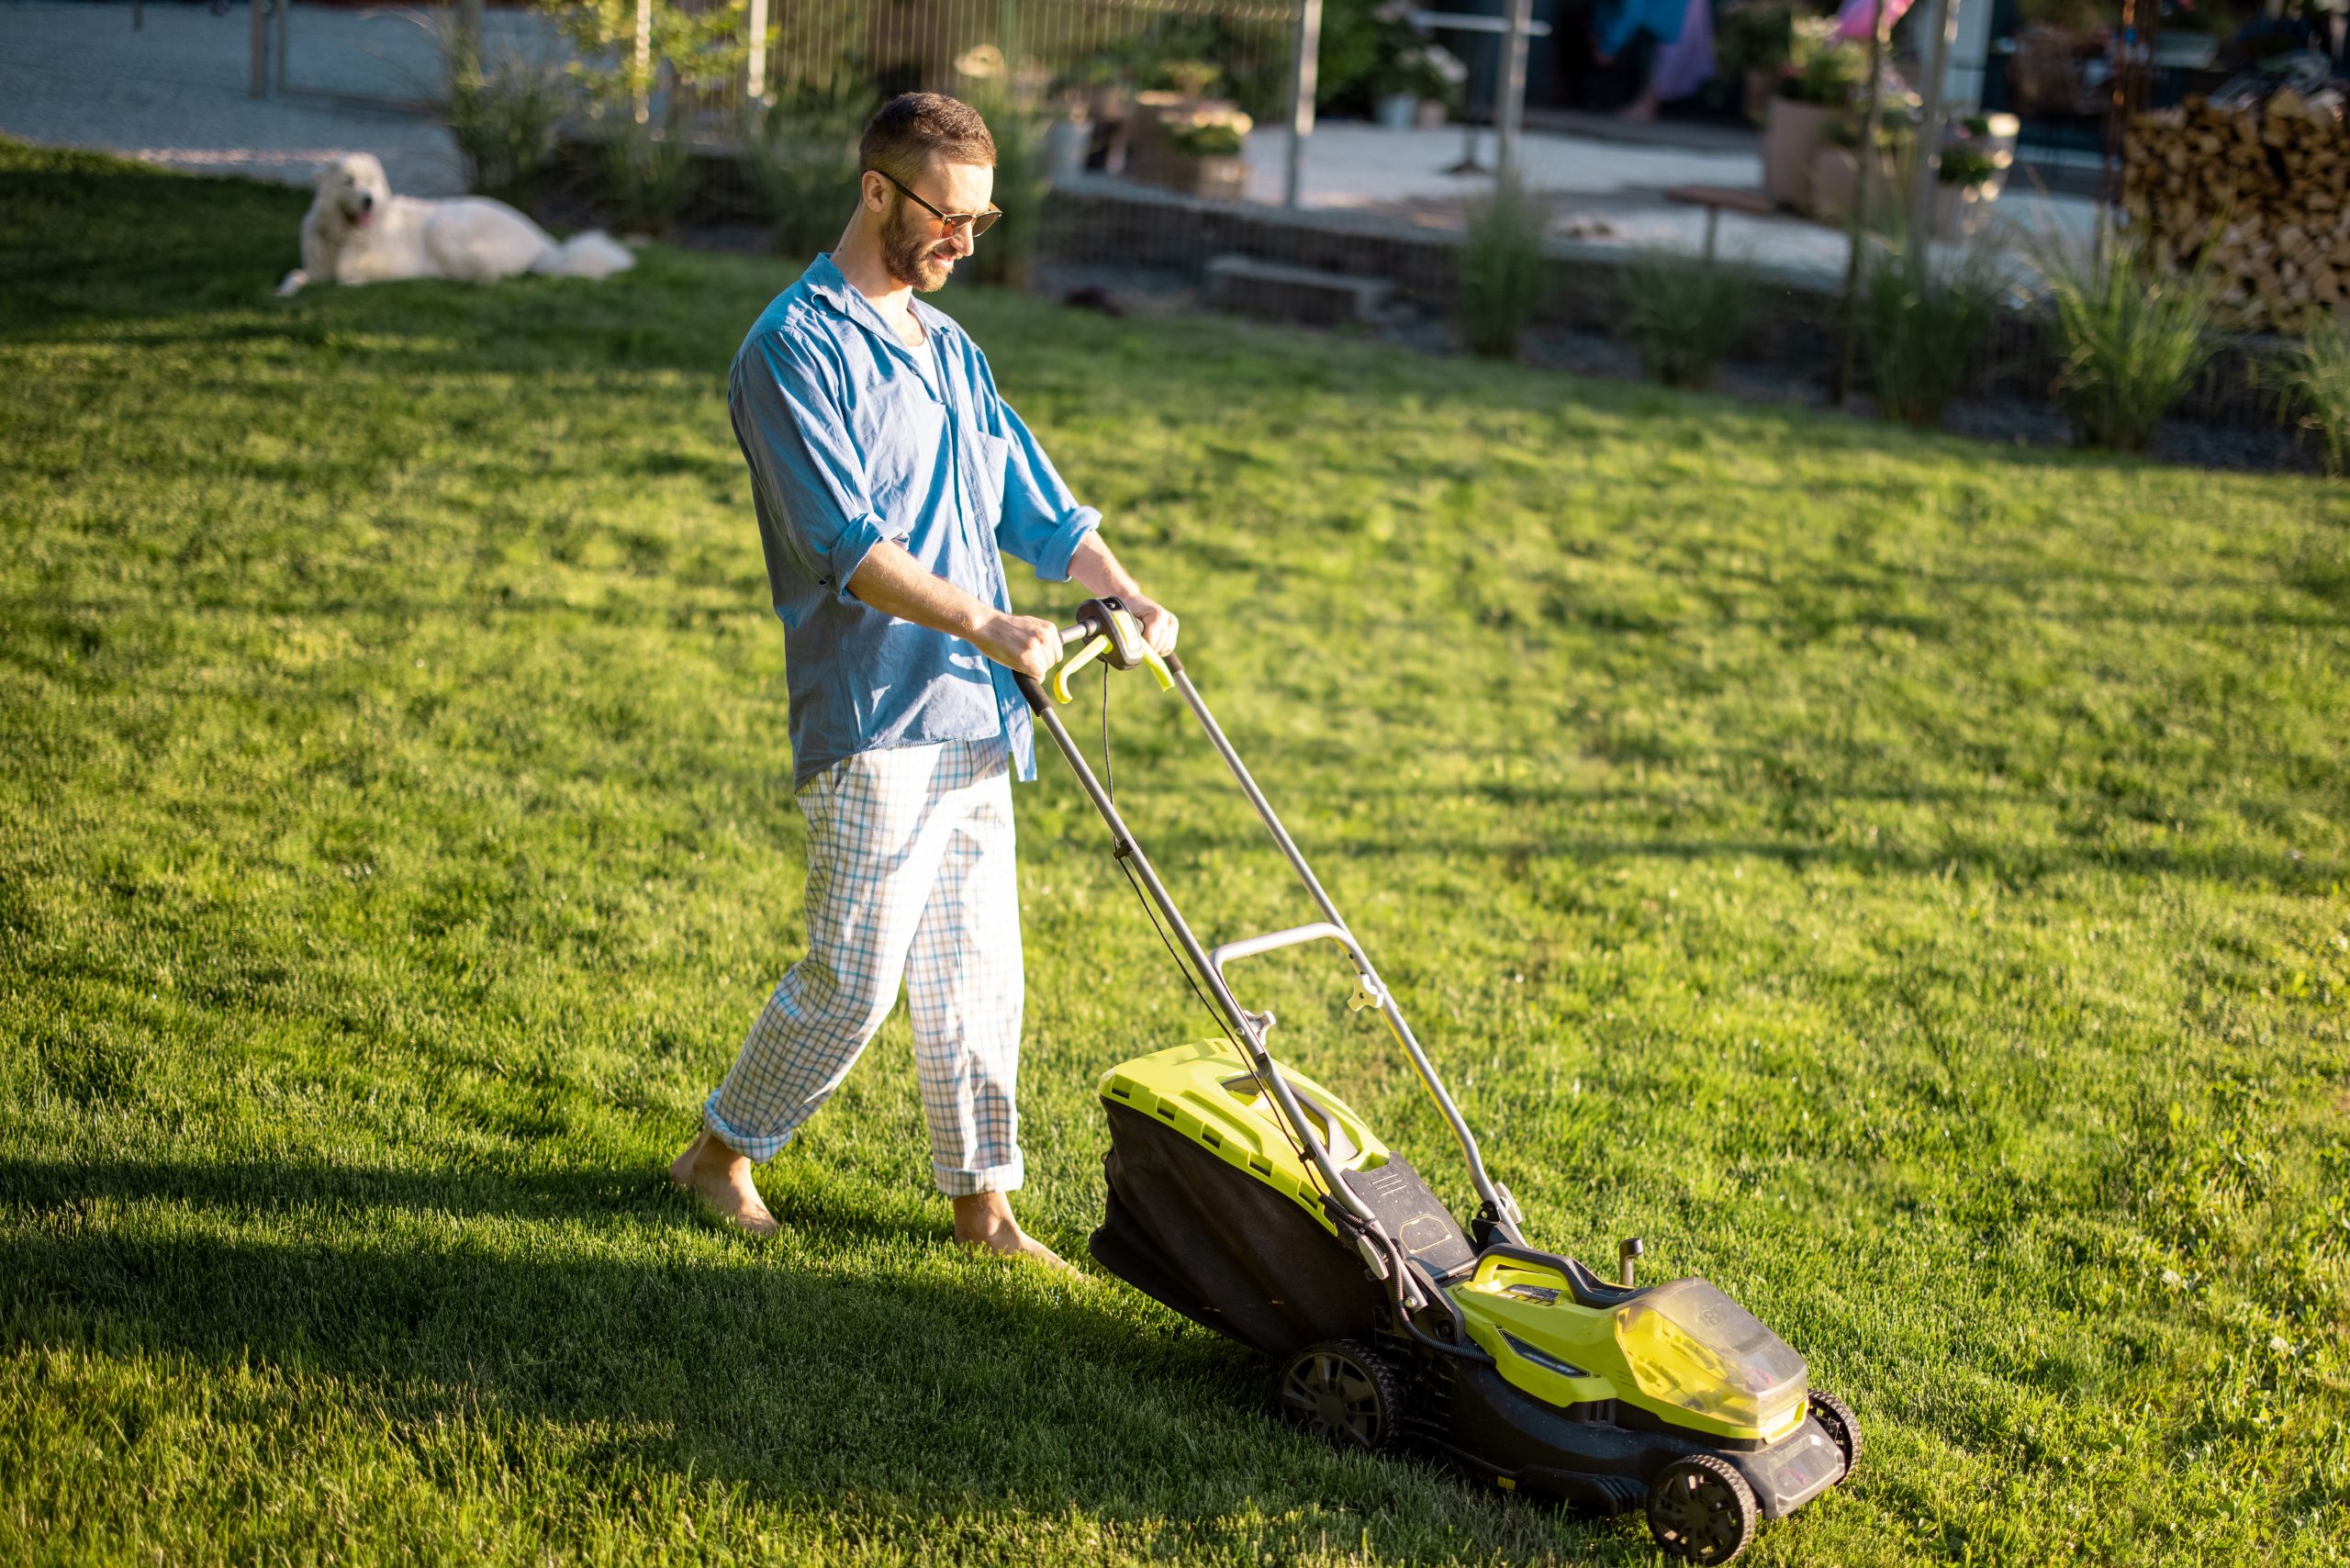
point(1683, 317)
point(2316, 387)
point(1921, 323)
point(1502, 278)
point(2131, 337)
point(648, 174)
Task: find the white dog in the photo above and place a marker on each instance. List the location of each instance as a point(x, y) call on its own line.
point(358, 231)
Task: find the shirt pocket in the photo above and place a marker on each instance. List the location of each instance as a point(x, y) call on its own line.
point(989, 456)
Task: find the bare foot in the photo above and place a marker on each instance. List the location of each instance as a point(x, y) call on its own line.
point(721, 1179)
point(983, 1223)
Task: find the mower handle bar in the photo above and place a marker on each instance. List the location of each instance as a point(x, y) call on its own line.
point(1295, 937)
point(1247, 1029)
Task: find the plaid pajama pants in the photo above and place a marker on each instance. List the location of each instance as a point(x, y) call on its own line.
point(909, 874)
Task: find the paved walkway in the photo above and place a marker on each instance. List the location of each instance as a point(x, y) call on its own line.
point(176, 93)
point(1607, 190)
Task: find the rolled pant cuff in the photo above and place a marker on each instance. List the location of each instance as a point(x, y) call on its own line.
point(757, 1150)
point(987, 1179)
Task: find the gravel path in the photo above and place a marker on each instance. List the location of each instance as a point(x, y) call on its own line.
point(176, 90)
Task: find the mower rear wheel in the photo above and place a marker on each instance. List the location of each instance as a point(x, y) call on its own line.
point(1702, 1510)
point(1343, 1391)
point(1842, 1426)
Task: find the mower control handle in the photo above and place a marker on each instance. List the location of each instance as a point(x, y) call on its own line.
point(1105, 630)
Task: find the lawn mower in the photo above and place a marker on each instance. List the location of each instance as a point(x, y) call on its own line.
point(1254, 1200)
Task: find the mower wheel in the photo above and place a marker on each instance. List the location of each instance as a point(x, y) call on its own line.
point(1343, 1391)
point(1702, 1510)
point(1836, 1419)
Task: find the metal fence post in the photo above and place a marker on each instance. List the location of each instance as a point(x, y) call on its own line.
point(754, 72)
point(1513, 104)
point(261, 51)
point(1935, 42)
point(1303, 85)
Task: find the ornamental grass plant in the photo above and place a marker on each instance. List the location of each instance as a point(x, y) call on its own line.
point(2132, 336)
point(1501, 279)
point(1921, 322)
point(2315, 389)
point(801, 154)
point(1683, 317)
point(648, 174)
point(504, 114)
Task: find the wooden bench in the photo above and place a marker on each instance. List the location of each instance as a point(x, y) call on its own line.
point(1713, 198)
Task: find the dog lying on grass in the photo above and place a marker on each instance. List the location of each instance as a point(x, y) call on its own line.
point(358, 231)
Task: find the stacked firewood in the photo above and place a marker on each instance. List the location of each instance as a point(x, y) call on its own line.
point(2258, 195)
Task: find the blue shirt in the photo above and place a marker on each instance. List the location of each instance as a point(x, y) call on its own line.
point(853, 438)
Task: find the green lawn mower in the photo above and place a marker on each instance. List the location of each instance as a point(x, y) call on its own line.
point(1252, 1200)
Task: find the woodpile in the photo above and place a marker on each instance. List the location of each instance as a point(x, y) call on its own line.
point(2260, 194)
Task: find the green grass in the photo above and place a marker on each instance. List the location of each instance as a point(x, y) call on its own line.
point(1904, 881)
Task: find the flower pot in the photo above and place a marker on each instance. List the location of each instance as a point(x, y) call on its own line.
point(1960, 210)
point(1835, 187)
point(1396, 110)
point(1792, 134)
point(1431, 115)
point(1066, 143)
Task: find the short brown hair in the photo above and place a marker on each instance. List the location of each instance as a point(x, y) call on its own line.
point(910, 131)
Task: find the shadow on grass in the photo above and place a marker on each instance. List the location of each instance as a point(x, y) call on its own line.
point(849, 1387)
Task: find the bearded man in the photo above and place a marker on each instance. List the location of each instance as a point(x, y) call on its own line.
point(888, 472)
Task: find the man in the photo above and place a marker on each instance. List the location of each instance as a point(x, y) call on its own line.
point(887, 473)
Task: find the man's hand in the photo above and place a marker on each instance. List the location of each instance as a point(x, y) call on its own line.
point(1021, 643)
point(1158, 623)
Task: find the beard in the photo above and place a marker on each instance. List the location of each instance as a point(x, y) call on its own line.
point(911, 254)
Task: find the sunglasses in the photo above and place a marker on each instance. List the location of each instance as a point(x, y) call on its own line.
point(980, 222)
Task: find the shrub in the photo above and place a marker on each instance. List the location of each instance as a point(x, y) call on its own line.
point(2131, 337)
point(2316, 378)
point(801, 152)
point(648, 174)
point(1921, 323)
point(1683, 317)
point(1502, 280)
point(503, 116)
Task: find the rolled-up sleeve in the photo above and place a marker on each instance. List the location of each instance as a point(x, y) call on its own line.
point(795, 434)
point(1042, 523)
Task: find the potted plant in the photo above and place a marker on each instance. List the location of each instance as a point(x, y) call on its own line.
point(1966, 183)
point(1407, 69)
point(1187, 141)
point(1815, 86)
point(1208, 142)
point(1752, 42)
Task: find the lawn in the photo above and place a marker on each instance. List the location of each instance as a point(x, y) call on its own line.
point(1904, 881)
